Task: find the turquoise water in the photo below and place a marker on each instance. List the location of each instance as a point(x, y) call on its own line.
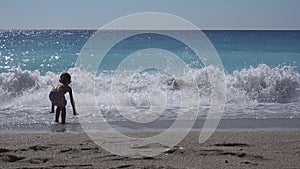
point(262, 72)
point(242, 49)
point(57, 50)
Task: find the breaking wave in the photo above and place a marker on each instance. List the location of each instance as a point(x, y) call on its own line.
point(257, 89)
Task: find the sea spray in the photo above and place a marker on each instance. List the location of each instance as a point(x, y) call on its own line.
point(265, 84)
point(260, 92)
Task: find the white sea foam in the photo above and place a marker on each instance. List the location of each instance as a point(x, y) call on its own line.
point(260, 92)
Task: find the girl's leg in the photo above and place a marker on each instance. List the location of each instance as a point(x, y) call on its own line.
point(63, 115)
point(52, 108)
point(57, 114)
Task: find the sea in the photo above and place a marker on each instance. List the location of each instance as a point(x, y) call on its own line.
point(261, 71)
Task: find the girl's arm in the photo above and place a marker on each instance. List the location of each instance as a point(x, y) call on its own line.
point(72, 102)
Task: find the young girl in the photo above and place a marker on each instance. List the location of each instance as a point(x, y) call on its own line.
point(57, 97)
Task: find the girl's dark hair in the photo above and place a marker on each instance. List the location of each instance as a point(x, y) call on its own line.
point(65, 76)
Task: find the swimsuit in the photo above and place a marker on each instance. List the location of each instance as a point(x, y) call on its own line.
point(57, 97)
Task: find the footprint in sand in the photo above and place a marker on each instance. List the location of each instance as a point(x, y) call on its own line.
point(148, 146)
point(231, 145)
point(69, 150)
point(122, 166)
point(10, 158)
point(4, 150)
point(38, 160)
point(175, 149)
point(38, 148)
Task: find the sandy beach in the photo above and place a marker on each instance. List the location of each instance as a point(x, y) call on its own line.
point(225, 149)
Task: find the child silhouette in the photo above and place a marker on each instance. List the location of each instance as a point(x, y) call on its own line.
point(57, 97)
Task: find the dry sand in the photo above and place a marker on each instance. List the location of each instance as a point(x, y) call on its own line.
point(227, 149)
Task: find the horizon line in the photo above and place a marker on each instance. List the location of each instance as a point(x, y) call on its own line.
point(91, 29)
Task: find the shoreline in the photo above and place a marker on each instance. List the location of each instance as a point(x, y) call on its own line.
point(274, 124)
point(226, 149)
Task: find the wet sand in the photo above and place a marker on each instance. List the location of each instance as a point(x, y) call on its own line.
point(225, 149)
